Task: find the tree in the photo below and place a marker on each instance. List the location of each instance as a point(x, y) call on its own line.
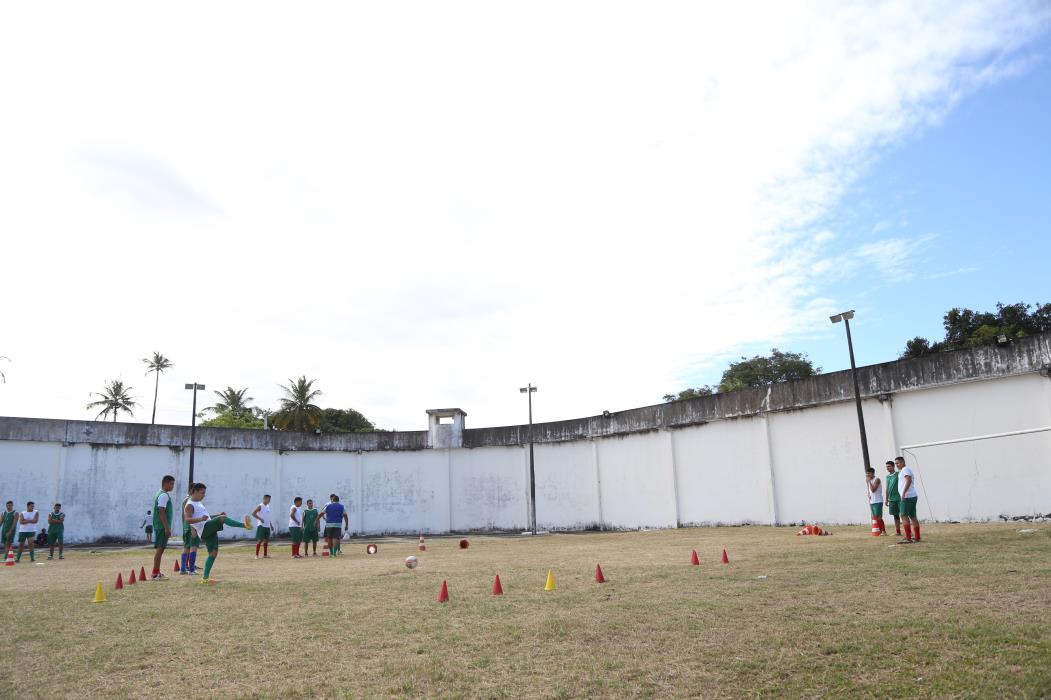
point(156, 364)
point(297, 411)
point(113, 399)
point(690, 393)
point(966, 328)
point(245, 421)
point(338, 420)
point(772, 369)
point(232, 401)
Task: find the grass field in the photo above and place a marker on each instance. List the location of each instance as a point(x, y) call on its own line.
point(967, 613)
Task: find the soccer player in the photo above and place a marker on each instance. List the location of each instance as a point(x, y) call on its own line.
point(8, 526)
point(334, 512)
point(147, 526)
point(875, 498)
point(262, 530)
point(295, 525)
point(893, 499)
point(162, 524)
point(310, 527)
point(907, 489)
point(207, 527)
point(56, 525)
point(27, 521)
point(190, 543)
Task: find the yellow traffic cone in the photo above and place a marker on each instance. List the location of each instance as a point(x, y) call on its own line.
point(550, 585)
point(100, 595)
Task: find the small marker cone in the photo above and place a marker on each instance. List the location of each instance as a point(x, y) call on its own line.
point(142, 573)
point(694, 561)
point(131, 579)
point(119, 585)
point(176, 569)
point(550, 584)
point(100, 595)
point(497, 588)
point(443, 594)
point(726, 560)
point(10, 557)
point(599, 578)
point(422, 546)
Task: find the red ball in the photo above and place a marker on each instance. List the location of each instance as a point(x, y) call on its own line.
point(464, 544)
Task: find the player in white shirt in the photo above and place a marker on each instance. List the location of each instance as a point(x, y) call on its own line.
point(295, 525)
point(907, 489)
point(263, 526)
point(27, 521)
point(207, 527)
point(875, 499)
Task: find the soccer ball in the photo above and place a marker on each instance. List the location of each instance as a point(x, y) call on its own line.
point(372, 549)
point(411, 562)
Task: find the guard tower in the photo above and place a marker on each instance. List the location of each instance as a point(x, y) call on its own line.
point(445, 427)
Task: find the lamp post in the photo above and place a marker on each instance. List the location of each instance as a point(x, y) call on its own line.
point(193, 425)
point(845, 318)
point(529, 390)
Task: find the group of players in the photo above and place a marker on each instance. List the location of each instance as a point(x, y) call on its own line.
point(200, 528)
point(25, 524)
point(900, 496)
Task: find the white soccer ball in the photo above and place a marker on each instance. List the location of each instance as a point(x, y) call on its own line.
point(411, 562)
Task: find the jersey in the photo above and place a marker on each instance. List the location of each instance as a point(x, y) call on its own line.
point(296, 521)
point(892, 487)
point(163, 499)
point(182, 509)
point(911, 493)
point(199, 511)
point(877, 495)
point(8, 521)
point(264, 515)
point(54, 530)
point(333, 514)
point(310, 519)
point(28, 527)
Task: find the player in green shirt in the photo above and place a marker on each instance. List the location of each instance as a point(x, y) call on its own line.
point(893, 499)
point(162, 524)
point(8, 525)
point(56, 525)
point(310, 531)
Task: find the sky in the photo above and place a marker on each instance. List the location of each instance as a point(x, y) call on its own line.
point(428, 205)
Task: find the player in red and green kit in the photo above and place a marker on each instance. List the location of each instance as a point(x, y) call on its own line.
point(56, 526)
point(893, 498)
point(162, 524)
point(310, 530)
point(8, 525)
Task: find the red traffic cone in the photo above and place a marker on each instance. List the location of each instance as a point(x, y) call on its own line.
point(726, 560)
point(599, 578)
point(176, 569)
point(443, 595)
point(119, 585)
point(324, 549)
point(10, 557)
point(131, 579)
point(422, 546)
point(694, 561)
point(142, 573)
point(497, 588)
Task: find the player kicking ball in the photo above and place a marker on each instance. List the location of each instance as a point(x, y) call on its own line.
point(207, 527)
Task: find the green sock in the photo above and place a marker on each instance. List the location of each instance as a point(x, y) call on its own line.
point(233, 523)
point(32, 555)
point(208, 566)
point(19, 557)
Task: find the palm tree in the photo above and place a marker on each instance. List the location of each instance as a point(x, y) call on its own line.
point(297, 412)
point(156, 364)
point(232, 401)
point(113, 399)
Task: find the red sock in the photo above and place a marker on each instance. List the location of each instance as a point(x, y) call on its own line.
point(295, 550)
point(916, 531)
point(908, 531)
point(156, 571)
point(882, 526)
point(257, 548)
point(897, 527)
point(266, 548)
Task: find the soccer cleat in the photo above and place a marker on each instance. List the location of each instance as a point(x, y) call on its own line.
point(248, 523)
point(159, 577)
point(191, 572)
point(50, 557)
point(904, 541)
point(208, 580)
point(61, 556)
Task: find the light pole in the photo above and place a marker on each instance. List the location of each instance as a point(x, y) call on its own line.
point(529, 390)
point(845, 318)
point(193, 426)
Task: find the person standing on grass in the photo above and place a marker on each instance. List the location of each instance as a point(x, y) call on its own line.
point(875, 499)
point(8, 526)
point(262, 530)
point(335, 515)
point(27, 521)
point(190, 543)
point(310, 516)
point(295, 525)
point(893, 498)
point(909, 497)
point(147, 526)
point(162, 524)
point(207, 527)
point(56, 526)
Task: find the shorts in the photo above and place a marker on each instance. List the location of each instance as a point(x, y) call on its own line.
point(310, 535)
point(333, 531)
point(893, 507)
point(8, 536)
point(262, 533)
point(55, 536)
point(24, 536)
point(877, 509)
point(297, 534)
point(190, 539)
point(160, 541)
point(908, 507)
point(210, 534)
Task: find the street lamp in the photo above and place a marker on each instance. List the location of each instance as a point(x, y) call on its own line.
point(529, 390)
point(193, 424)
point(845, 318)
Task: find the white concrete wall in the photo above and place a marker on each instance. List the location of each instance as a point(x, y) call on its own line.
point(779, 467)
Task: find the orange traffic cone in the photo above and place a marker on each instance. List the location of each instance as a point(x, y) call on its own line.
point(726, 559)
point(10, 557)
point(131, 579)
point(142, 573)
point(443, 595)
point(176, 569)
point(119, 585)
point(694, 561)
point(422, 546)
point(599, 578)
point(497, 588)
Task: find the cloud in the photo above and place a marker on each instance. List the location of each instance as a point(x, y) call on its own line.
point(429, 205)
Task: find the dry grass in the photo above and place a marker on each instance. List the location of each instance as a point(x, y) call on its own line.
point(966, 614)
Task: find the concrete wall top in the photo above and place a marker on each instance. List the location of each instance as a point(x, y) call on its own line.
point(987, 362)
